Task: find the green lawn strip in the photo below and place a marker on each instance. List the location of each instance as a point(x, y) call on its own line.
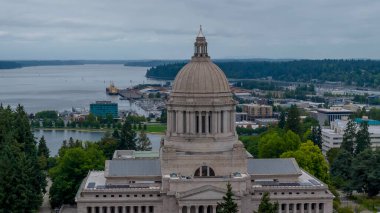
point(156, 128)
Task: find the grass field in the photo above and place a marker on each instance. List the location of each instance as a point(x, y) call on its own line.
point(156, 128)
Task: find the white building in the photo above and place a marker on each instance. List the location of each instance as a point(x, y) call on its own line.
point(333, 137)
point(200, 154)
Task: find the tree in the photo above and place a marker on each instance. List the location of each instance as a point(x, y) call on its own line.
point(143, 142)
point(293, 122)
point(272, 144)
point(341, 169)
point(363, 140)
point(266, 206)
point(22, 180)
point(365, 172)
point(43, 153)
point(332, 154)
point(310, 158)
point(282, 122)
point(316, 135)
point(108, 144)
point(127, 139)
point(228, 205)
point(349, 137)
point(43, 150)
point(72, 166)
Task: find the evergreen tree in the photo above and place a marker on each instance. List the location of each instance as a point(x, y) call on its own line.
point(316, 136)
point(349, 137)
point(293, 122)
point(365, 172)
point(127, 139)
point(22, 180)
point(363, 140)
point(43, 150)
point(341, 169)
point(282, 122)
point(266, 206)
point(143, 142)
point(228, 205)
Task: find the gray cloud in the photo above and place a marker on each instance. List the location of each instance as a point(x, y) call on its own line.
point(128, 29)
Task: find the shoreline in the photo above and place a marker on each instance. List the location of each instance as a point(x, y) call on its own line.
point(88, 130)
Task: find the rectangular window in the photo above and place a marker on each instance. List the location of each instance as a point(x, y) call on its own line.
point(221, 121)
point(197, 124)
point(203, 124)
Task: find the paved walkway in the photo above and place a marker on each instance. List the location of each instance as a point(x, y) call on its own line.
point(45, 208)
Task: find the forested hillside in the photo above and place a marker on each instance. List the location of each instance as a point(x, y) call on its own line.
point(350, 72)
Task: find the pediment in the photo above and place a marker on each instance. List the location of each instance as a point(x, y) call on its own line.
point(202, 193)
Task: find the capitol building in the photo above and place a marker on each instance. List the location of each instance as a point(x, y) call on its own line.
point(199, 155)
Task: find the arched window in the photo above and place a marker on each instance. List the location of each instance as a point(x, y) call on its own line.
point(204, 171)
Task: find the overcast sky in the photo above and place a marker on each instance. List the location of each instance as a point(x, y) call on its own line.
point(166, 29)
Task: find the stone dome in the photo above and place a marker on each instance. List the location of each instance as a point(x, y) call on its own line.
point(201, 76)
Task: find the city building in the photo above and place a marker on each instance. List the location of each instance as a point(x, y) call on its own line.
point(257, 111)
point(325, 116)
point(199, 155)
point(104, 108)
point(332, 137)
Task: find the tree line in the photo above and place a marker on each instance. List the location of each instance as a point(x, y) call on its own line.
point(25, 163)
point(350, 72)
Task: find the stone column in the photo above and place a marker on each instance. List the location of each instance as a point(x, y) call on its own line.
point(139, 209)
point(309, 207)
point(179, 121)
point(196, 209)
point(216, 125)
point(232, 121)
point(187, 122)
point(302, 208)
point(214, 209)
point(200, 122)
point(225, 121)
point(169, 121)
point(123, 210)
point(207, 124)
point(279, 207)
point(287, 208)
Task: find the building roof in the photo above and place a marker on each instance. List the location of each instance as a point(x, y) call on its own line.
point(275, 166)
point(127, 154)
point(201, 77)
point(133, 167)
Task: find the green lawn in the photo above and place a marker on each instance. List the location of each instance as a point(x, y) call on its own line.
point(156, 128)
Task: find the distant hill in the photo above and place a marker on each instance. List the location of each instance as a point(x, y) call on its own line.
point(9, 65)
point(350, 72)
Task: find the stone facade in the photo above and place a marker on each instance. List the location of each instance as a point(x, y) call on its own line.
point(200, 154)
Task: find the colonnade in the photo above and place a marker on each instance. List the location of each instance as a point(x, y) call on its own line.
point(301, 208)
point(201, 122)
point(120, 209)
point(197, 209)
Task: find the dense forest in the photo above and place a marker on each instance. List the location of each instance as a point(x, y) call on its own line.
point(350, 72)
point(9, 65)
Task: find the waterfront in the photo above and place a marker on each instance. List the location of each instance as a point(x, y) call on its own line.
point(63, 87)
point(54, 138)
